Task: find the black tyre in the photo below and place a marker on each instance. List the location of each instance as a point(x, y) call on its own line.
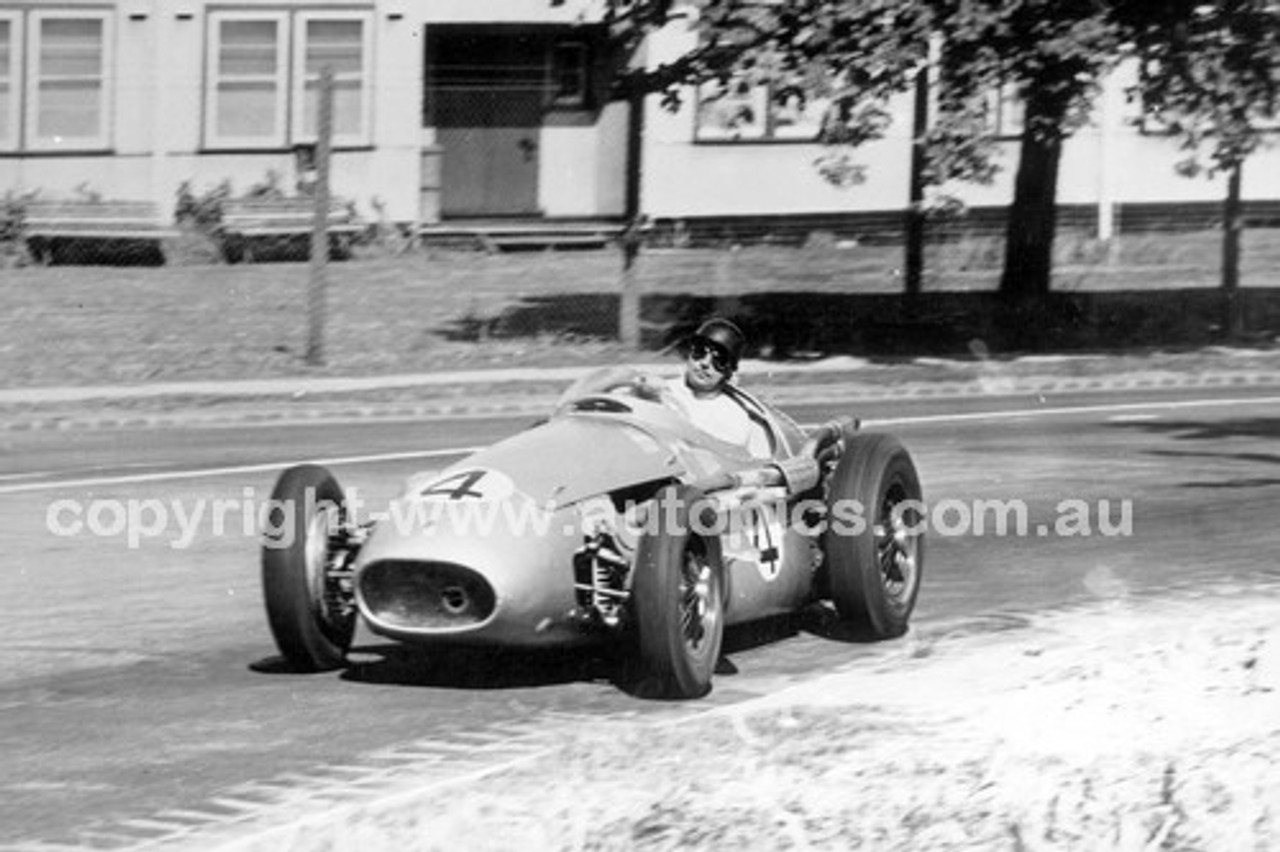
point(678, 596)
point(874, 541)
point(312, 617)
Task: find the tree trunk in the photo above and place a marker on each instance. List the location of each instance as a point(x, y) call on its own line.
point(914, 259)
point(1028, 254)
point(1232, 225)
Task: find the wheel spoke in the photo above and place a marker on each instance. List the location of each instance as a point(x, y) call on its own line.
point(326, 574)
point(894, 548)
point(694, 601)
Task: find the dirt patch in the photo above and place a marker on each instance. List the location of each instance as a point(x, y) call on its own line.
point(1139, 727)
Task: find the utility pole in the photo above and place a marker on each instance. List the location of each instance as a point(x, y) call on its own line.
point(914, 261)
point(632, 236)
point(317, 283)
point(1232, 225)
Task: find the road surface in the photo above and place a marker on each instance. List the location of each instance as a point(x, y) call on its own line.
point(139, 693)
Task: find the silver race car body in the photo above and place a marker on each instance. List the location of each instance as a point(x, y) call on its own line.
point(614, 517)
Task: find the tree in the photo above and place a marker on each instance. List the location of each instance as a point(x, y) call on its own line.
point(870, 48)
point(1053, 55)
point(855, 55)
point(1211, 75)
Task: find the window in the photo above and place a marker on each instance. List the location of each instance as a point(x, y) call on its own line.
point(246, 73)
point(1152, 121)
point(262, 96)
point(8, 81)
point(55, 86)
point(731, 110)
point(569, 74)
point(739, 111)
point(342, 44)
point(1004, 111)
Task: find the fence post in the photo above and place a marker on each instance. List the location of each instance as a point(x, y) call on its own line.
point(317, 284)
point(629, 299)
point(1232, 225)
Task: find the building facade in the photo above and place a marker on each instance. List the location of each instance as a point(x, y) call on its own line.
point(448, 109)
point(492, 107)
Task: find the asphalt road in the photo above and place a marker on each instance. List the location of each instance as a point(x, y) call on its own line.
point(139, 695)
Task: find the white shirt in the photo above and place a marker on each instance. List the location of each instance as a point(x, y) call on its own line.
point(721, 417)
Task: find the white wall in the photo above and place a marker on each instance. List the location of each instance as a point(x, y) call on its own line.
point(158, 103)
point(157, 114)
point(582, 169)
point(611, 160)
point(501, 11)
point(1106, 162)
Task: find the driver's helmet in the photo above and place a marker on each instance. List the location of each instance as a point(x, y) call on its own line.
point(724, 335)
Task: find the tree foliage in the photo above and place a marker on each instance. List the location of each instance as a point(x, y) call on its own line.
point(863, 52)
point(1210, 75)
point(1052, 57)
point(870, 47)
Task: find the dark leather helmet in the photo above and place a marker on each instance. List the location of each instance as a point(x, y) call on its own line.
point(725, 335)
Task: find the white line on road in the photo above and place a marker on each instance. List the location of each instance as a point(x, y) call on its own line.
point(977, 416)
point(1083, 409)
point(202, 473)
point(1132, 418)
point(9, 477)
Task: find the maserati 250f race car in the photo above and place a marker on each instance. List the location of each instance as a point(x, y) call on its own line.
point(614, 519)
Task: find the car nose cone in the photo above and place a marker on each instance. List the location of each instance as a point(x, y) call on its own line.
point(500, 572)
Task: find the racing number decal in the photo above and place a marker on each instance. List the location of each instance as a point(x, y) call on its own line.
point(755, 536)
point(456, 487)
point(765, 543)
point(475, 484)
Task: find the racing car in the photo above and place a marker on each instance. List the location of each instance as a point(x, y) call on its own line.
point(615, 519)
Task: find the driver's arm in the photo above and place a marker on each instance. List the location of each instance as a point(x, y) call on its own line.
point(758, 443)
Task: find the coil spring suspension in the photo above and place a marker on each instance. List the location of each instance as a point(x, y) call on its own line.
point(339, 587)
point(600, 576)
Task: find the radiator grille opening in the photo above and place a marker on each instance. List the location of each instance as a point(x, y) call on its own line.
point(425, 595)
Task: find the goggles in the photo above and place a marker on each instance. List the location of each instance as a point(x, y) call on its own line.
point(719, 358)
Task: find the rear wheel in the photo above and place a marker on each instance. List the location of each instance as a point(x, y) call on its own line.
point(310, 605)
point(678, 595)
point(874, 541)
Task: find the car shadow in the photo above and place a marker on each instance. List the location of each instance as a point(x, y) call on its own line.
point(469, 668)
point(757, 634)
point(823, 621)
point(276, 666)
point(616, 663)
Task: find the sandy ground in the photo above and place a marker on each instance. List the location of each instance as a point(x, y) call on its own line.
point(1142, 725)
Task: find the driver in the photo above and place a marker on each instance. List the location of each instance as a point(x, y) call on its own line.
point(703, 391)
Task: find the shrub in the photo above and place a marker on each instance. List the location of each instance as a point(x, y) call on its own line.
point(13, 211)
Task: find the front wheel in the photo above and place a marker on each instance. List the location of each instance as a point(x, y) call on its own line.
point(678, 595)
point(309, 601)
point(874, 542)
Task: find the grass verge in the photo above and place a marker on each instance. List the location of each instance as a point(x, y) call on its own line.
point(450, 310)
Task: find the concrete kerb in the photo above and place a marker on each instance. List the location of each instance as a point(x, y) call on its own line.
point(523, 392)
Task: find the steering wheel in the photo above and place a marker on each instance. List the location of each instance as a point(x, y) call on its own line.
point(602, 404)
